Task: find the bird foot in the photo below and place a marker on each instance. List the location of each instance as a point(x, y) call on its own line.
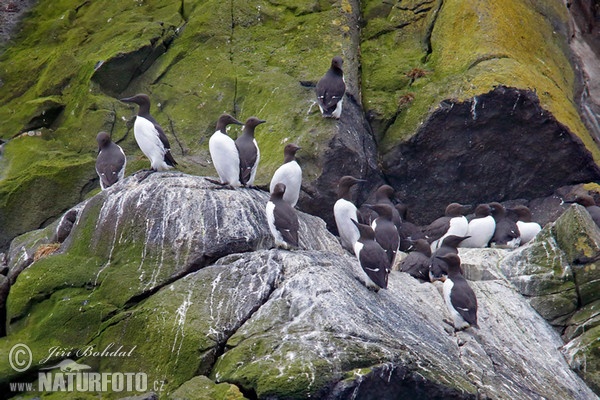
point(219, 183)
point(147, 173)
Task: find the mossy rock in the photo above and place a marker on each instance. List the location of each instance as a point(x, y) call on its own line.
point(539, 268)
point(195, 59)
point(202, 388)
point(582, 355)
point(583, 320)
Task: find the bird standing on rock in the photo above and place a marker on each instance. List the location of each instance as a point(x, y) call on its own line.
point(224, 153)
point(373, 260)
point(458, 295)
point(386, 233)
point(290, 174)
point(344, 212)
point(452, 223)
point(438, 268)
point(282, 219)
point(528, 229)
point(417, 262)
point(331, 89)
point(111, 161)
point(481, 228)
point(248, 151)
point(506, 234)
point(149, 135)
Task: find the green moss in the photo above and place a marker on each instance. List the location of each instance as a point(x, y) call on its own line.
point(39, 183)
point(585, 360)
point(576, 233)
point(249, 62)
point(202, 388)
point(474, 47)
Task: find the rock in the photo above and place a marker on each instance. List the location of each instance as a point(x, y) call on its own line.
point(171, 269)
point(410, 81)
point(559, 274)
point(455, 145)
point(321, 329)
point(482, 264)
point(202, 388)
point(429, 82)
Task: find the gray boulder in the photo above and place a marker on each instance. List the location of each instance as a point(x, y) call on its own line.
point(183, 275)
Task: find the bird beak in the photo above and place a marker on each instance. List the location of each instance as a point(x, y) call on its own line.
point(126, 100)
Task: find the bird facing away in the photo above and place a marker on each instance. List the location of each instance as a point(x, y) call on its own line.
point(506, 234)
point(386, 233)
point(224, 153)
point(383, 195)
point(149, 136)
point(452, 223)
point(372, 258)
point(344, 212)
point(290, 174)
point(528, 229)
point(417, 262)
point(458, 295)
point(481, 228)
point(330, 90)
point(282, 219)
point(248, 151)
point(111, 161)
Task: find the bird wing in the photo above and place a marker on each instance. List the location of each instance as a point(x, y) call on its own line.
point(464, 300)
point(164, 140)
point(417, 265)
point(436, 229)
point(289, 222)
point(248, 157)
point(107, 169)
point(329, 95)
point(375, 263)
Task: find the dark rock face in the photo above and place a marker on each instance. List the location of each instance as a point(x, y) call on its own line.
point(352, 151)
point(498, 146)
point(114, 75)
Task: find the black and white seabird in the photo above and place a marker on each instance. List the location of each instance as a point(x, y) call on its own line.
point(386, 233)
point(290, 174)
point(452, 223)
point(506, 234)
point(282, 219)
point(528, 229)
point(248, 151)
point(373, 260)
point(111, 161)
point(481, 228)
point(408, 231)
point(344, 212)
point(590, 205)
point(417, 262)
point(149, 136)
point(330, 90)
point(224, 153)
point(383, 195)
point(438, 268)
point(458, 295)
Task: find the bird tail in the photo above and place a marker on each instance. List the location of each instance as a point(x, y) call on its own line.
point(169, 159)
